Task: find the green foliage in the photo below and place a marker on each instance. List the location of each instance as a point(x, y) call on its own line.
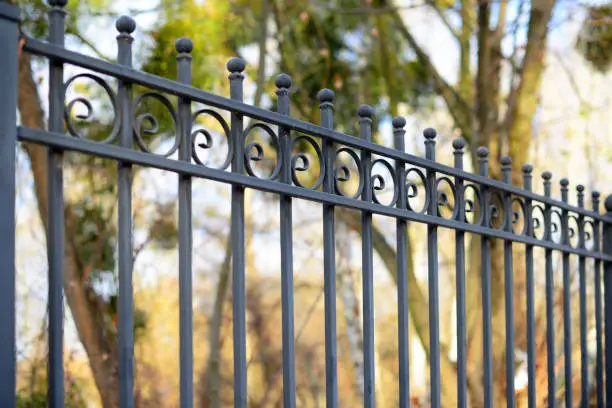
point(595, 37)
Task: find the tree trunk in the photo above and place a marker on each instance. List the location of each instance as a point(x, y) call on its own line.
point(95, 331)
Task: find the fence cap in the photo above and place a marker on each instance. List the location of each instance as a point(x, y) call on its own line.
point(326, 95)
point(527, 168)
point(235, 65)
point(482, 152)
point(399, 122)
point(365, 111)
point(459, 143)
point(125, 25)
point(505, 160)
point(184, 45)
point(608, 203)
point(547, 175)
point(430, 133)
point(282, 81)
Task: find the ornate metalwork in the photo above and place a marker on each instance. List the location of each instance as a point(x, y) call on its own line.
point(145, 118)
point(208, 143)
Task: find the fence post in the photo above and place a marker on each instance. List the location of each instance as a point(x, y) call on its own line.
point(9, 32)
point(607, 249)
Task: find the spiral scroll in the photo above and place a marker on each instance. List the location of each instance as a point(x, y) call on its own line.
point(144, 119)
point(413, 191)
point(379, 184)
point(254, 151)
point(300, 162)
point(208, 142)
point(443, 199)
point(342, 173)
point(69, 107)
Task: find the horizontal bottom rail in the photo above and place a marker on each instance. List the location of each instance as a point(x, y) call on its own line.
point(26, 134)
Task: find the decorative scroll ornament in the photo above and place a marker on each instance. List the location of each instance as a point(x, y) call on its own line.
point(208, 141)
point(80, 100)
point(342, 173)
point(301, 163)
point(254, 151)
point(146, 123)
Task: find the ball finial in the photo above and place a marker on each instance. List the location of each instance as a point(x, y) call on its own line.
point(58, 3)
point(564, 182)
point(125, 25)
point(430, 133)
point(283, 81)
point(365, 111)
point(184, 45)
point(235, 65)
point(547, 175)
point(595, 195)
point(505, 160)
point(482, 152)
point(459, 143)
point(608, 203)
point(398, 122)
point(326, 95)
point(580, 188)
point(527, 168)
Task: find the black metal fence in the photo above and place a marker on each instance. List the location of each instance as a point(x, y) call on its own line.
point(515, 215)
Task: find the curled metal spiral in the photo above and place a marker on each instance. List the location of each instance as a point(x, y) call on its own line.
point(147, 123)
point(208, 142)
point(301, 163)
point(80, 100)
point(537, 224)
point(412, 189)
point(379, 185)
point(588, 228)
point(254, 151)
point(469, 205)
point(516, 217)
point(443, 200)
point(555, 225)
point(496, 210)
point(342, 173)
point(573, 230)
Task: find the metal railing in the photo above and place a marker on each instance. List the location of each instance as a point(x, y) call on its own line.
point(510, 213)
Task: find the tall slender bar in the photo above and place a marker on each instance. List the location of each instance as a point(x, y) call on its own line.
point(567, 308)
point(432, 268)
point(283, 83)
point(598, 306)
point(607, 249)
point(506, 163)
point(125, 26)
point(584, 357)
point(458, 145)
point(402, 269)
point(485, 259)
point(184, 46)
point(55, 213)
point(550, 297)
point(9, 32)
point(531, 356)
point(326, 99)
point(365, 113)
point(236, 66)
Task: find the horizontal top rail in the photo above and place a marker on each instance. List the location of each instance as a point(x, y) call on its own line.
point(145, 159)
point(43, 48)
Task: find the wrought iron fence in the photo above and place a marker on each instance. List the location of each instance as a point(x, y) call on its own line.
point(419, 189)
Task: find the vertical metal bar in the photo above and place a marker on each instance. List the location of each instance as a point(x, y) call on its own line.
point(531, 367)
point(506, 163)
point(9, 32)
point(584, 361)
point(550, 297)
point(283, 83)
point(365, 113)
point(55, 214)
point(184, 46)
point(235, 66)
point(326, 98)
point(598, 306)
point(567, 317)
point(607, 249)
point(485, 259)
point(402, 270)
point(458, 145)
point(125, 26)
point(432, 268)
